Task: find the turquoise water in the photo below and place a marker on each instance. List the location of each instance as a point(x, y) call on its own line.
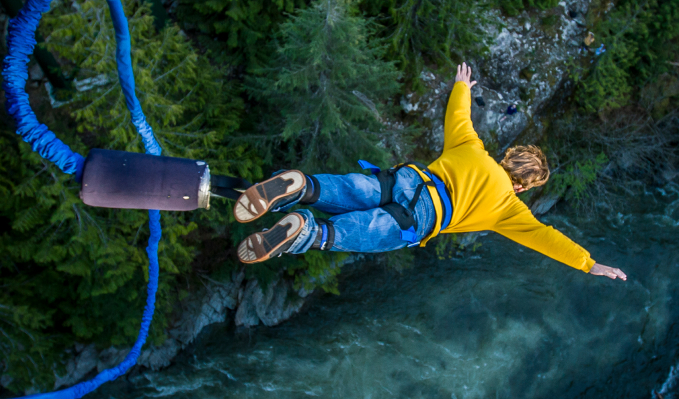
point(502, 322)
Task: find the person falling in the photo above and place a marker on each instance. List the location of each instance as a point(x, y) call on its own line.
point(466, 191)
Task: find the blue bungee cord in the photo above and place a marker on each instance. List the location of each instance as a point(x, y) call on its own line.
point(21, 42)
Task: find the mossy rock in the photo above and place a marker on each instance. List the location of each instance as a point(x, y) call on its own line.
point(527, 73)
point(526, 95)
point(549, 21)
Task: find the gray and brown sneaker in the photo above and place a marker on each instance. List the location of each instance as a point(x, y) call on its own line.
point(260, 198)
point(265, 245)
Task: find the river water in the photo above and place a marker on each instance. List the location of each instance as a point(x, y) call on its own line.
point(502, 322)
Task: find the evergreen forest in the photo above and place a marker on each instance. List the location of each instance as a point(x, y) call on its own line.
point(255, 86)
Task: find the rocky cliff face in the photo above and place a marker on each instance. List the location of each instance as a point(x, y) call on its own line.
point(525, 66)
point(242, 300)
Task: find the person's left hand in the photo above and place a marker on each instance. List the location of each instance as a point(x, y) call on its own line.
point(610, 272)
point(464, 74)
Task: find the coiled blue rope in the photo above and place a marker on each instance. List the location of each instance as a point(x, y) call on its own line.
point(21, 42)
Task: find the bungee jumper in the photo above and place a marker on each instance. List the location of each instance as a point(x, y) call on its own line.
point(466, 191)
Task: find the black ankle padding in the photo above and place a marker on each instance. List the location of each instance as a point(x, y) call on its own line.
point(313, 191)
point(330, 240)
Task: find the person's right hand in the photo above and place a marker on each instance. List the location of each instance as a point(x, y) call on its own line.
point(610, 272)
point(464, 74)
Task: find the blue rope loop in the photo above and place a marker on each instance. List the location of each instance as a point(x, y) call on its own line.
point(21, 43)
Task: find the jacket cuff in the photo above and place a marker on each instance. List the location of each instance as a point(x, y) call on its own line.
point(465, 87)
point(588, 265)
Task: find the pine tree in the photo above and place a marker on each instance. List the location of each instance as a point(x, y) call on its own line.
point(329, 84)
point(430, 31)
point(236, 31)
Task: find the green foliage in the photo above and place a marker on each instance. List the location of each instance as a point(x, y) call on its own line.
point(28, 354)
point(578, 177)
point(318, 269)
point(243, 28)
point(326, 84)
point(430, 31)
point(398, 260)
point(449, 246)
point(641, 39)
point(73, 272)
point(596, 161)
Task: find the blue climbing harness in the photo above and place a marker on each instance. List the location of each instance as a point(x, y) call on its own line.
point(405, 216)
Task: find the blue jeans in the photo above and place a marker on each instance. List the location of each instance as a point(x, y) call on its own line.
point(360, 226)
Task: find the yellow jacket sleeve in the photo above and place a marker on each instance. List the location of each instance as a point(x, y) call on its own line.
point(521, 226)
point(458, 128)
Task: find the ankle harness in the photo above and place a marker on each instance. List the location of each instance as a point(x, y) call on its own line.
point(325, 237)
point(313, 191)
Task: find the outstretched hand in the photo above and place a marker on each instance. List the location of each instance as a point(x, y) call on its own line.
point(610, 272)
point(464, 74)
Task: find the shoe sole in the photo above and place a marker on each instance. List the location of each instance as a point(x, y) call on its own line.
point(266, 194)
point(269, 243)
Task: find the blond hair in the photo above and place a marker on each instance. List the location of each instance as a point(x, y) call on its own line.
point(526, 165)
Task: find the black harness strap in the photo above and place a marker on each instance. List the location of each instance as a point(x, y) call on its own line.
point(223, 186)
point(325, 237)
point(405, 217)
point(387, 181)
point(311, 196)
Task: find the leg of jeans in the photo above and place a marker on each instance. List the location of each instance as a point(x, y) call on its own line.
point(344, 193)
point(347, 193)
point(368, 231)
point(373, 230)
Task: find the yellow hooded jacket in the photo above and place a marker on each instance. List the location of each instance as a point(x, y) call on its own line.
point(482, 193)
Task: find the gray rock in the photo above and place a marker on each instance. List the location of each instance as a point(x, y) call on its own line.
point(157, 357)
point(408, 105)
point(510, 126)
point(78, 367)
point(153, 357)
point(277, 304)
point(303, 293)
point(543, 204)
point(5, 380)
point(110, 357)
point(525, 66)
point(35, 72)
point(211, 308)
point(246, 315)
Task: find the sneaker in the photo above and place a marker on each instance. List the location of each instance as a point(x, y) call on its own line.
point(260, 198)
point(265, 245)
